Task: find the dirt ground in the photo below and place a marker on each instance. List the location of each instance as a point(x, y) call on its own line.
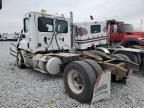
point(28, 88)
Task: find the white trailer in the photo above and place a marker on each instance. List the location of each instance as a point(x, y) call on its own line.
point(47, 44)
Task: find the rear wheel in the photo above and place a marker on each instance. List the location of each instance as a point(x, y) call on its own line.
point(131, 56)
point(79, 80)
point(95, 66)
point(20, 60)
point(123, 57)
point(117, 56)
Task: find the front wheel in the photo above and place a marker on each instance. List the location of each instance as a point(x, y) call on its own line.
point(130, 44)
point(20, 60)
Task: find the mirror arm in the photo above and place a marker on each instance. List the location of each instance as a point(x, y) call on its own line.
point(0, 4)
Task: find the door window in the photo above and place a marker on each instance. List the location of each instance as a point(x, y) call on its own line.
point(45, 24)
point(115, 29)
point(26, 25)
point(61, 26)
point(95, 29)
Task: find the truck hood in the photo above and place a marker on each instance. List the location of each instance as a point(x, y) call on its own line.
point(134, 34)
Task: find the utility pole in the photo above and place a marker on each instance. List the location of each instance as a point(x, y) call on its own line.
point(141, 26)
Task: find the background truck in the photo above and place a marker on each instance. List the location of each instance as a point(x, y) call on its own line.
point(47, 44)
point(111, 35)
point(120, 32)
point(110, 32)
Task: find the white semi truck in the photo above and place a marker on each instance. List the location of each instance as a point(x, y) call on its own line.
point(48, 45)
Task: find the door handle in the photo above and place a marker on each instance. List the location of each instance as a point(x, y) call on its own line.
point(48, 38)
point(45, 40)
point(62, 39)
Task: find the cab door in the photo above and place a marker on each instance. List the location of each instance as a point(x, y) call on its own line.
point(25, 42)
point(63, 34)
point(116, 34)
point(45, 33)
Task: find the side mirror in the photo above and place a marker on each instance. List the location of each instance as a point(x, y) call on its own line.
point(0, 4)
point(22, 31)
point(22, 35)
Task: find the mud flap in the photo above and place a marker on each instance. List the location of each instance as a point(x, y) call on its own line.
point(102, 87)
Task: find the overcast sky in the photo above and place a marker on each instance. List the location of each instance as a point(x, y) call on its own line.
point(130, 11)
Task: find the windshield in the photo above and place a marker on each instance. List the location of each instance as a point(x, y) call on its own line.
point(127, 27)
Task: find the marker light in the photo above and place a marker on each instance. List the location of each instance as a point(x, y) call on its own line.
point(43, 12)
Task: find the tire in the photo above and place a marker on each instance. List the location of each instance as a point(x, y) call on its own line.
point(131, 56)
point(113, 77)
point(20, 60)
point(125, 57)
point(117, 56)
point(122, 57)
point(139, 57)
point(87, 76)
point(95, 66)
point(129, 43)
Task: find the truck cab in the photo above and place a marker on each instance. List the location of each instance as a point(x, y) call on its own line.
point(115, 31)
point(90, 34)
point(124, 34)
point(43, 32)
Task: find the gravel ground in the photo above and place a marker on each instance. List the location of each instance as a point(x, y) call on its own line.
point(32, 89)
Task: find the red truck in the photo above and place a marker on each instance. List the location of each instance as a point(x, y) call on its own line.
point(120, 32)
